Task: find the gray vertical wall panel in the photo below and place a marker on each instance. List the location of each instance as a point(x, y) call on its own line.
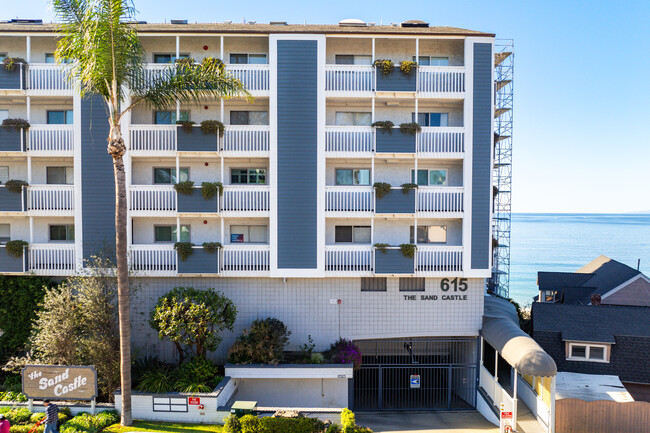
point(98, 184)
point(297, 154)
point(481, 155)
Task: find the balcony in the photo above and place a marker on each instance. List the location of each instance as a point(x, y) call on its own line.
point(349, 201)
point(196, 141)
point(437, 261)
point(50, 140)
point(440, 202)
point(249, 201)
point(441, 81)
point(148, 139)
point(255, 78)
point(196, 203)
point(349, 260)
point(246, 260)
point(200, 262)
point(396, 82)
point(392, 261)
point(246, 141)
point(349, 80)
point(397, 202)
point(153, 260)
point(12, 139)
point(349, 141)
point(54, 200)
point(13, 80)
point(441, 142)
point(394, 141)
point(12, 201)
point(152, 200)
point(11, 264)
point(47, 79)
point(52, 259)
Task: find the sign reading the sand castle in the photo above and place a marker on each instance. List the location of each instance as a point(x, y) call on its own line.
point(59, 382)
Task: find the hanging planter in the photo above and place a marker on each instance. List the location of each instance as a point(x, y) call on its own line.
point(406, 187)
point(16, 186)
point(212, 127)
point(407, 67)
point(408, 250)
point(410, 128)
point(12, 64)
point(381, 189)
point(212, 247)
point(17, 124)
point(187, 125)
point(184, 249)
point(384, 126)
point(16, 248)
point(382, 247)
point(210, 189)
point(186, 187)
point(385, 66)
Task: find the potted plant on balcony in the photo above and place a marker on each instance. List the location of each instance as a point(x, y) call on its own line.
point(186, 187)
point(407, 67)
point(210, 189)
point(17, 124)
point(381, 189)
point(212, 247)
point(385, 66)
point(382, 247)
point(406, 187)
point(16, 248)
point(12, 64)
point(212, 127)
point(384, 126)
point(408, 250)
point(14, 185)
point(410, 128)
point(184, 249)
point(187, 125)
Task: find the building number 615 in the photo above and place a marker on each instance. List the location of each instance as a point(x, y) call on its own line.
point(461, 284)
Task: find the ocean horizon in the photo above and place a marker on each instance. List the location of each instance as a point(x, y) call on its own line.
point(565, 242)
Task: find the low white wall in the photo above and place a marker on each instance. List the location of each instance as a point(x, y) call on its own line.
point(526, 394)
point(142, 409)
point(484, 409)
point(299, 393)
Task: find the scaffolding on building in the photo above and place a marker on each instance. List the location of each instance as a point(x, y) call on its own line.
point(502, 169)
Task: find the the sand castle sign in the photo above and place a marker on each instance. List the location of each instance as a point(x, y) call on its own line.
point(59, 382)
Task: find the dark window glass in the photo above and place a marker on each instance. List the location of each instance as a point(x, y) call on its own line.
point(344, 59)
point(257, 59)
point(169, 117)
point(373, 284)
point(596, 353)
point(343, 234)
point(62, 233)
point(578, 351)
point(168, 58)
point(411, 284)
point(59, 117)
point(239, 59)
point(239, 118)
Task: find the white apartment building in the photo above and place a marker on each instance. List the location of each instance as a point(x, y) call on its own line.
point(299, 217)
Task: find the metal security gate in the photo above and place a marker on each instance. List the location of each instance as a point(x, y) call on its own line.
point(416, 374)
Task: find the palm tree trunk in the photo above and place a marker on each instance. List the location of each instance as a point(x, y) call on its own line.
point(117, 149)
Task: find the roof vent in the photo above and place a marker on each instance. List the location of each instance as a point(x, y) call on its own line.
point(252, 22)
point(178, 21)
point(135, 22)
point(415, 23)
point(352, 22)
point(372, 24)
point(278, 23)
point(26, 21)
point(227, 22)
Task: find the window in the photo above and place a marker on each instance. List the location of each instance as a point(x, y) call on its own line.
point(5, 233)
point(169, 404)
point(432, 61)
point(430, 177)
point(430, 234)
point(248, 176)
point(373, 284)
point(352, 118)
point(62, 233)
point(249, 117)
point(251, 59)
point(248, 234)
point(49, 58)
point(167, 175)
point(60, 175)
point(432, 119)
point(352, 176)
point(3, 56)
point(168, 233)
point(4, 114)
point(169, 117)
point(59, 117)
point(352, 234)
point(168, 58)
point(353, 59)
point(587, 352)
point(4, 173)
point(411, 284)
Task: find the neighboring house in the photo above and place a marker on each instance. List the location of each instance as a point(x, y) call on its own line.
point(608, 280)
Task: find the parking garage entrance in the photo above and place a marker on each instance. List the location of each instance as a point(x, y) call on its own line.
point(416, 374)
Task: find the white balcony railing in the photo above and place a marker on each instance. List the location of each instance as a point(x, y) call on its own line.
point(441, 79)
point(50, 139)
point(152, 199)
point(349, 140)
point(52, 259)
point(349, 79)
point(248, 199)
point(50, 199)
point(245, 139)
point(438, 260)
point(440, 199)
point(255, 78)
point(153, 72)
point(349, 259)
point(153, 138)
point(245, 260)
point(48, 78)
point(160, 260)
point(441, 142)
point(349, 199)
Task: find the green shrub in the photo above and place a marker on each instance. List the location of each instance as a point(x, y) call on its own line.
point(212, 247)
point(65, 411)
point(408, 250)
point(185, 62)
point(212, 127)
point(384, 125)
point(382, 247)
point(186, 187)
point(382, 189)
point(16, 124)
point(249, 424)
point(18, 415)
point(158, 380)
point(232, 424)
point(333, 428)
point(386, 66)
point(262, 343)
point(184, 249)
point(187, 125)
point(253, 424)
point(14, 185)
point(12, 64)
point(406, 187)
point(410, 128)
point(16, 248)
point(12, 396)
point(36, 417)
point(197, 375)
point(25, 428)
point(210, 189)
point(87, 423)
point(349, 424)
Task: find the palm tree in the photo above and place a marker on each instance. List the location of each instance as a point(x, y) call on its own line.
point(108, 60)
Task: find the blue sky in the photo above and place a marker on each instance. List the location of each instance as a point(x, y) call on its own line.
point(581, 83)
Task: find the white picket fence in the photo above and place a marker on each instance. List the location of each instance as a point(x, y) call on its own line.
point(50, 139)
point(441, 142)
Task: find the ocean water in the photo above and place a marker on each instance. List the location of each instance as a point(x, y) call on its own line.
point(566, 242)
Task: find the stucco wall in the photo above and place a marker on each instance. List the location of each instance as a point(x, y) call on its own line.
point(326, 393)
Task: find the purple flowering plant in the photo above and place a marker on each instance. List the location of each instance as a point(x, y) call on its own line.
point(345, 352)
